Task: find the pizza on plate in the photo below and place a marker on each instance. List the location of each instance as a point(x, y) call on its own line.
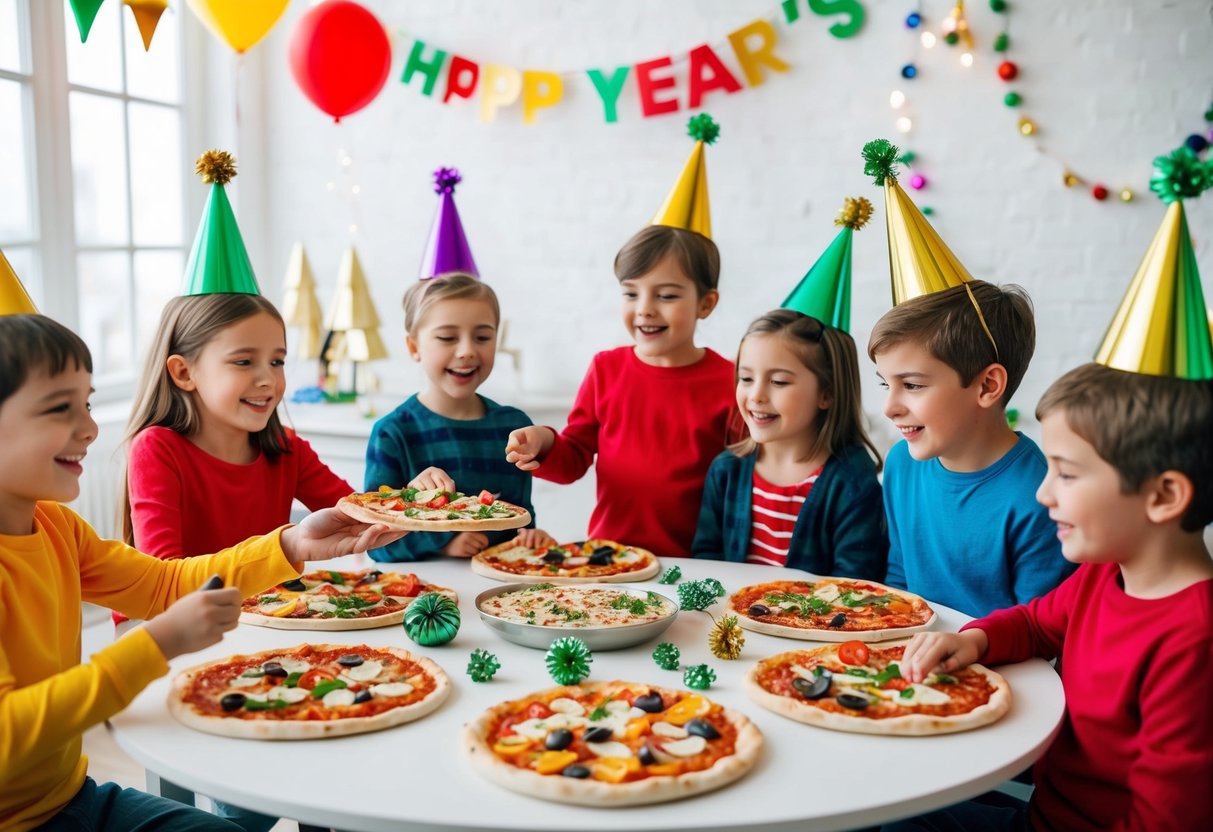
point(331, 600)
point(857, 688)
point(612, 744)
point(431, 510)
point(308, 692)
point(831, 609)
point(586, 561)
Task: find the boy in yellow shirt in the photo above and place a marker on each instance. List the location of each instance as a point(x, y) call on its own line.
point(51, 560)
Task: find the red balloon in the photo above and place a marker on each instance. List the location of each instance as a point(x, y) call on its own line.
point(340, 56)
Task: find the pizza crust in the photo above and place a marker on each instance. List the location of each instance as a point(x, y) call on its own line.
point(412, 524)
point(590, 792)
point(266, 729)
point(481, 567)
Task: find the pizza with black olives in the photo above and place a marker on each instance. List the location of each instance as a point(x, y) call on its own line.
point(582, 562)
point(433, 510)
point(831, 609)
point(327, 599)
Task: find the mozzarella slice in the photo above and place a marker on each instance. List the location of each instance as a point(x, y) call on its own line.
point(848, 679)
point(609, 749)
point(244, 682)
point(924, 695)
point(688, 747)
point(828, 593)
point(322, 606)
point(366, 671)
point(669, 730)
point(564, 705)
point(291, 695)
point(293, 665)
point(336, 698)
point(391, 689)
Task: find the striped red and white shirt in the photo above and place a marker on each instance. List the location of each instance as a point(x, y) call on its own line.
point(773, 517)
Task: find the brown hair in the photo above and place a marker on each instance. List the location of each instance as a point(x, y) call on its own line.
point(829, 354)
point(947, 325)
point(423, 295)
point(32, 344)
point(187, 325)
point(694, 253)
point(1142, 426)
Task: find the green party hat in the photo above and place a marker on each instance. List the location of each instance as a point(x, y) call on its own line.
point(825, 292)
point(218, 262)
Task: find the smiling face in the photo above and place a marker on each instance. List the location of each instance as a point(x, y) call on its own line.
point(45, 431)
point(456, 345)
point(660, 310)
point(778, 396)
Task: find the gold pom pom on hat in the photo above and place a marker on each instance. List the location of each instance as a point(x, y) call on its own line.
point(855, 213)
point(216, 167)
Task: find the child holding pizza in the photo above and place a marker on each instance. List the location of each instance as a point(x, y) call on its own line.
point(51, 561)
point(651, 416)
point(801, 490)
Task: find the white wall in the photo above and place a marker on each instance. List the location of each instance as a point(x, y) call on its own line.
point(1112, 83)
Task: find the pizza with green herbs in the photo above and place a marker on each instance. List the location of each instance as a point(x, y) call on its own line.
point(831, 609)
point(328, 599)
point(432, 510)
point(581, 562)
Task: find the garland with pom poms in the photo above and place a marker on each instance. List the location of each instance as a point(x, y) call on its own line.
point(699, 677)
point(482, 665)
point(568, 660)
point(1180, 175)
point(703, 128)
point(445, 180)
point(216, 167)
point(726, 638)
point(855, 213)
point(667, 655)
point(696, 595)
point(714, 585)
point(880, 160)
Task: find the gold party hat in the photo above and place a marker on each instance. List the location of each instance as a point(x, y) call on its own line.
point(686, 206)
point(14, 300)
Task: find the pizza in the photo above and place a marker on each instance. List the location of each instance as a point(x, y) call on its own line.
point(552, 605)
point(586, 561)
point(432, 510)
point(330, 600)
point(854, 687)
point(308, 692)
point(612, 744)
point(831, 609)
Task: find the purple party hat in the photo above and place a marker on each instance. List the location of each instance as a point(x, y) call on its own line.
point(447, 249)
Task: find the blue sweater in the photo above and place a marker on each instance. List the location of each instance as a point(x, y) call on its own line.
point(472, 451)
point(840, 530)
point(975, 541)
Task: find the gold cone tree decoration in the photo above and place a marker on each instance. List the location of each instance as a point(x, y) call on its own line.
point(353, 325)
point(300, 306)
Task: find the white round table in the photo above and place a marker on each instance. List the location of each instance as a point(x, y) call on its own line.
point(414, 777)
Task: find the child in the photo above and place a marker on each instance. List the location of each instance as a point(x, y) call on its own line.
point(964, 529)
point(51, 560)
point(1130, 489)
point(448, 434)
point(802, 490)
point(654, 414)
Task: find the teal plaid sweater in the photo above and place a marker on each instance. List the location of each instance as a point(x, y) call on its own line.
point(472, 451)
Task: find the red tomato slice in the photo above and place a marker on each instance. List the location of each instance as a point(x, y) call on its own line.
point(507, 724)
point(406, 587)
point(370, 597)
point(486, 498)
point(438, 502)
point(896, 684)
point(326, 589)
point(538, 710)
point(314, 677)
point(395, 505)
point(853, 652)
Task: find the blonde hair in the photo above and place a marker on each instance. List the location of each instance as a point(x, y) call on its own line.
point(829, 354)
point(424, 295)
point(187, 325)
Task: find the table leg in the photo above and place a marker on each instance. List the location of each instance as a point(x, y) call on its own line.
point(157, 785)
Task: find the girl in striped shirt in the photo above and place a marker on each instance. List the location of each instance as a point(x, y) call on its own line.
point(801, 491)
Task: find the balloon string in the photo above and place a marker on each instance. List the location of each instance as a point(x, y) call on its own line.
point(236, 80)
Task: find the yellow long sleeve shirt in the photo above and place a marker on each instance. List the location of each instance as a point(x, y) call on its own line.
point(47, 697)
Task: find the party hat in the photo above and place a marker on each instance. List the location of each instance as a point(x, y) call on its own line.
point(447, 249)
point(218, 262)
point(147, 17)
point(686, 206)
point(353, 316)
point(14, 300)
point(300, 306)
point(825, 292)
point(1161, 327)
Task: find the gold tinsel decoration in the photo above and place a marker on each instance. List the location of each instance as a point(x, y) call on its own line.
point(216, 166)
point(726, 638)
point(855, 213)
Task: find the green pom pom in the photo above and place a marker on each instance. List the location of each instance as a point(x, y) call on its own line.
point(702, 128)
point(695, 595)
point(671, 576)
point(1012, 99)
point(716, 586)
point(568, 660)
point(432, 619)
point(482, 665)
point(666, 655)
point(880, 160)
point(699, 677)
point(1180, 175)
point(1002, 42)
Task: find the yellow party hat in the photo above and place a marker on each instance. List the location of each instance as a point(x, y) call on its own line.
point(687, 206)
point(14, 300)
point(354, 314)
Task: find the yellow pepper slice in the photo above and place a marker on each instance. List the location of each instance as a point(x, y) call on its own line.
point(512, 746)
point(614, 769)
point(550, 762)
point(686, 710)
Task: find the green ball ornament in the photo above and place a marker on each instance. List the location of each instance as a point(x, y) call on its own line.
point(482, 665)
point(998, 6)
point(1209, 114)
point(432, 619)
point(699, 677)
point(1012, 99)
point(951, 38)
point(927, 210)
point(568, 660)
point(666, 655)
point(1002, 42)
point(671, 576)
point(907, 157)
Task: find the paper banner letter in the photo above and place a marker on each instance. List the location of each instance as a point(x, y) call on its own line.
point(461, 77)
point(430, 69)
point(539, 89)
point(791, 10)
point(716, 77)
point(751, 59)
point(85, 12)
point(826, 8)
point(499, 88)
point(648, 86)
point(147, 16)
point(608, 90)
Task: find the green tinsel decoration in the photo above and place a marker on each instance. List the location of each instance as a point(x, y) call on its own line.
point(716, 586)
point(1180, 175)
point(703, 128)
point(671, 576)
point(568, 660)
point(699, 677)
point(880, 160)
point(666, 655)
point(482, 665)
point(695, 595)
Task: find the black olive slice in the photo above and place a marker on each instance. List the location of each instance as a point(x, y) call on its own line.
point(295, 586)
point(580, 772)
point(850, 700)
point(838, 620)
point(759, 609)
point(646, 755)
point(554, 556)
point(350, 660)
point(812, 688)
point(232, 702)
point(702, 729)
point(274, 669)
point(558, 740)
point(599, 733)
point(650, 703)
point(363, 696)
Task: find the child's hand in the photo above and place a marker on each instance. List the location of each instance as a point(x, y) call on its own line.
point(465, 544)
point(534, 538)
point(330, 533)
point(943, 652)
point(526, 445)
point(195, 621)
point(433, 478)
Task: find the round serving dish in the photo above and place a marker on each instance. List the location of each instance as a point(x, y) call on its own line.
point(596, 637)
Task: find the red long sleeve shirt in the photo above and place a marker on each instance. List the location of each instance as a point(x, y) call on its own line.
point(1135, 751)
point(655, 431)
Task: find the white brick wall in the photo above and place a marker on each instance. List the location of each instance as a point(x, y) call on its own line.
point(1110, 82)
